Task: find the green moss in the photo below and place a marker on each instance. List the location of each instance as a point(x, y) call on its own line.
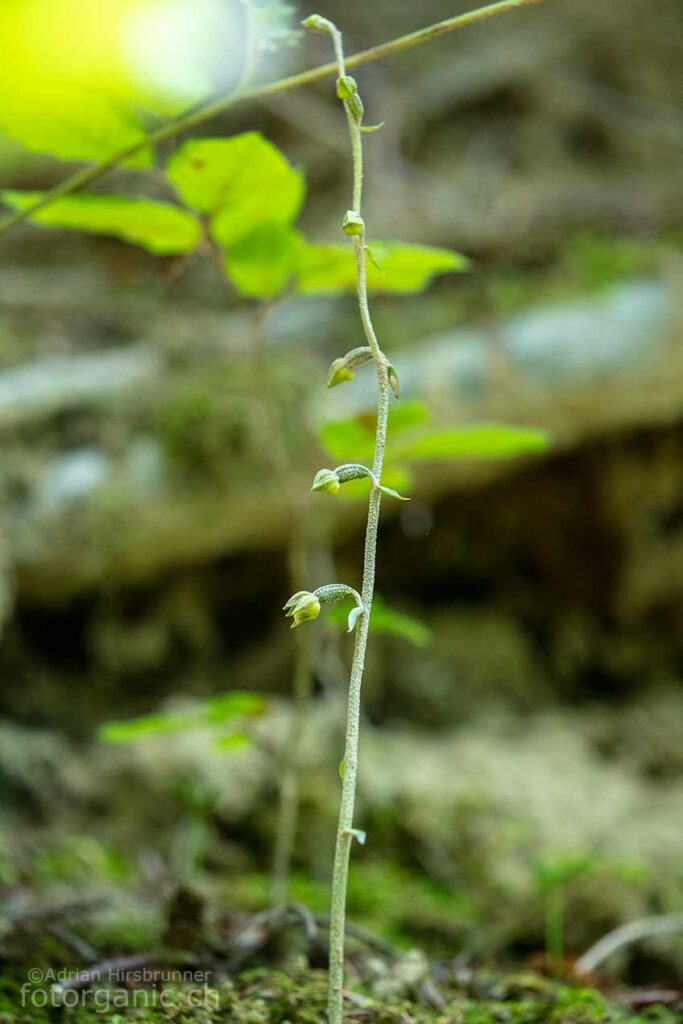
point(77, 857)
point(404, 907)
point(202, 423)
point(273, 997)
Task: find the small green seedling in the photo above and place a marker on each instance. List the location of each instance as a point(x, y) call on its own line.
point(553, 875)
point(227, 719)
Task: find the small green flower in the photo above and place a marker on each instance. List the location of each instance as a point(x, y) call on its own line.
point(326, 480)
point(339, 373)
point(343, 369)
point(346, 87)
point(353, 223)
point(302, 607)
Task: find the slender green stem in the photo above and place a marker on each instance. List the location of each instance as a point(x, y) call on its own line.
point(345, 832)
point(554, 928)
point(205, 112)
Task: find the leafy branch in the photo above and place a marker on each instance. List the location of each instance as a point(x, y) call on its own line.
point(200, 115)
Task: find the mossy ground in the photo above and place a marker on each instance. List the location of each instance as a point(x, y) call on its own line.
point(266, 996)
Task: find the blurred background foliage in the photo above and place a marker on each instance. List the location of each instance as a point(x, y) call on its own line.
point(523, 701)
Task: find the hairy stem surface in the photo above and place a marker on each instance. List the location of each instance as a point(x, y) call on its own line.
point(198, 116)
point(345, 833)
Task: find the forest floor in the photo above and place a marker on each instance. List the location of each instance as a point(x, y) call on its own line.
point(267, 996)
point(269, 969)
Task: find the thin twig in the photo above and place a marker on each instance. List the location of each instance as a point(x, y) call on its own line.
point(202, 114)
point(368, 938)
point(59, 913)
point(257, 931)
point(118, 966)
point(635, 931)
point(74, 943)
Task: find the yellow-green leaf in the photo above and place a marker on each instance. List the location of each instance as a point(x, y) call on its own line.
point(233, 741)
point(348, 440)
point(69, 123)
point(234, 704)
point(83, 79)
point(158, 227)
point(384, 619)
point(147, 725)
point(241, 182)
point(261, 263)
point(210, 713)
point(393, 267)
point(353, 440)
point(388, 621)
point(483, 441)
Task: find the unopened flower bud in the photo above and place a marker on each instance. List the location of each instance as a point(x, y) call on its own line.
point(346, 87)
point(326, 480)
point(316, 23)
point(353, 223)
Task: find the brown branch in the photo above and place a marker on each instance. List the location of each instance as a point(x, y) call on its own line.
point(198, 116)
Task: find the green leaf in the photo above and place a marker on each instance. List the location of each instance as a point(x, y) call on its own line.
point(48, 116)
point(389, 622)
point(210, 713)
point(230, 705)
point(484, 441)
point(232, 742)
point(408, 415)
point(556, 871)
point(261, 263)
point(353, 440)
point(399, 478)
point(404, 268)
point(158, 227)
point(147, 725)
point(241, 182)
point(386, 620)
point(392, 493)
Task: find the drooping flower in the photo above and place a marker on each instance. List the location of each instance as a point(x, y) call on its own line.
point(302, 607)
